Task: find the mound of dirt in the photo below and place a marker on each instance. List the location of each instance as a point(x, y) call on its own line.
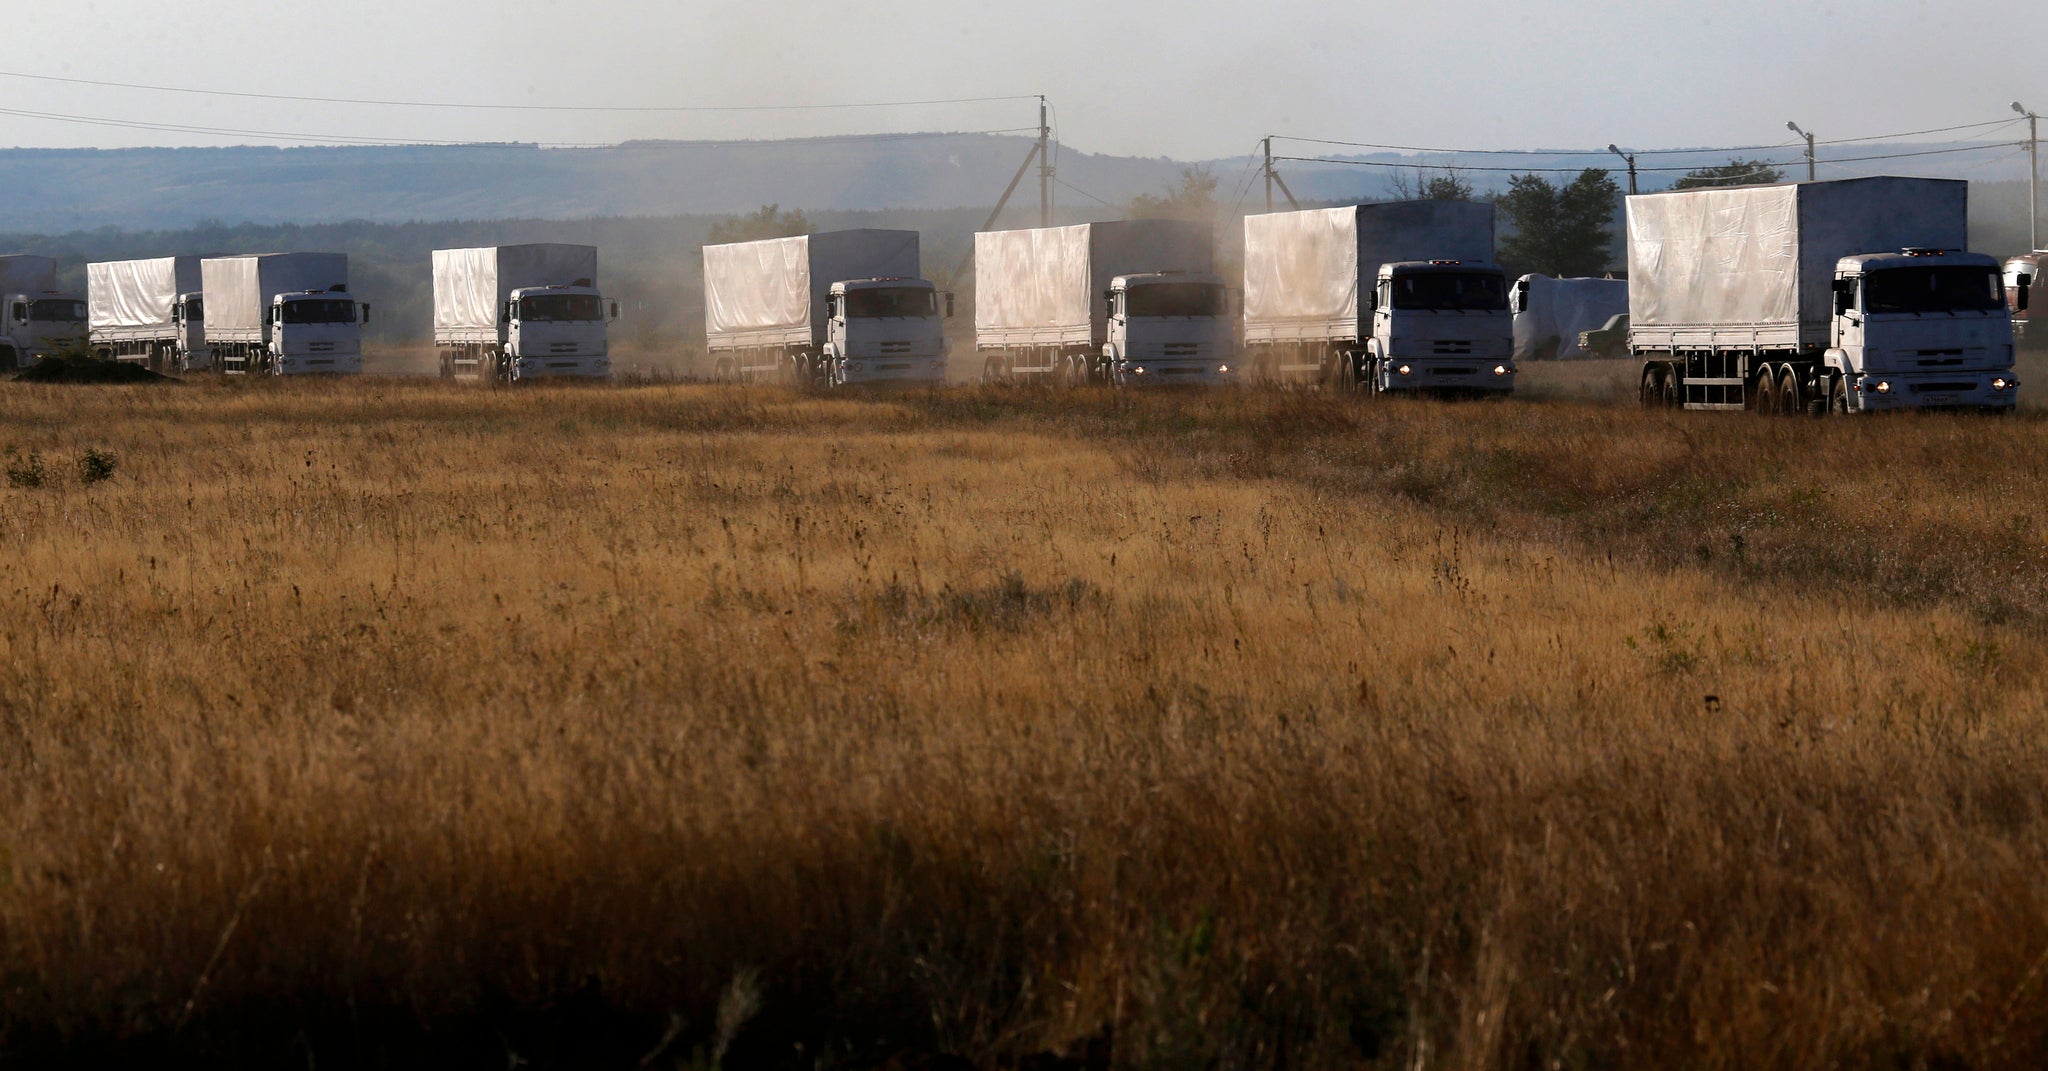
point(58, 368)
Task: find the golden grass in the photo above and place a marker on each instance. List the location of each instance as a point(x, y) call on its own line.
point(397, 723)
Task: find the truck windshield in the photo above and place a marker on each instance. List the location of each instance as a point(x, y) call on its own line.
point(54, 310)
point(1174, 299)
point(561, 307)
point(1462, 291)
point(319, 311)
point(1933, 289)
point(892, 301)
point(195, 311)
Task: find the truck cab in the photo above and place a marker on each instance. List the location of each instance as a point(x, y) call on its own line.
point(1169, 327)
point(1441, 326)
point(2020, 273)
point(315, 332)
point(39, 323)
point(885, 330)
point(1922, 328)
point(557, 331)
point(188, 317)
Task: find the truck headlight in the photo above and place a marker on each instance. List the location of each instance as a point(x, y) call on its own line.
point(1403, 370)
point(1884, 386)
point(1222, 369)
point(2002, 383)
point(1501, 370)
point(1138, 371)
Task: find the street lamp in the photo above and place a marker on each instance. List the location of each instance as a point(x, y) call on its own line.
point(2033, 176)
point(1794, 127)
point(1630, 157)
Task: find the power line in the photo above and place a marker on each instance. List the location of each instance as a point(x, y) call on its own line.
point(514, 107)
point(1082, 192)
point(1977, 147)
point(352, 139)
point(1640, 152)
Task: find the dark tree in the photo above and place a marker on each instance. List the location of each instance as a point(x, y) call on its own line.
point(1559, 230)
point(1193, 199)
point(768, 221)
point(1422, 186)
point(1733, 173)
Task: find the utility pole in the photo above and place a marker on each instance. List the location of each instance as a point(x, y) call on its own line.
point(2033, 176)
point(1794, 127)
point(1269, 172)
point(1631, 158)
point(1044, 167)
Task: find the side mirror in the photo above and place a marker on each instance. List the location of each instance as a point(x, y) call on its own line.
point(949, 304)
point(21, 311)
point(366, 312)
point(505, 313)
point(269, 317)
point(1109, 305)
point(615, 310)
point(1845, 299)
point(2019, 293)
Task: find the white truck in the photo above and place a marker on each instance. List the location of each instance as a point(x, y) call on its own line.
point(831, 309)
point(1133, 301)
point(38, 317)
point(511, 313)
point(1841, 296)
point(1401, 296)
point(282, 314)
point(148, 312)
point(1551, 313)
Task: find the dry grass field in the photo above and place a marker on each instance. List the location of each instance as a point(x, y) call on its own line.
point(391, 723)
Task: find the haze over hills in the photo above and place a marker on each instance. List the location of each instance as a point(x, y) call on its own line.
point(61, 190)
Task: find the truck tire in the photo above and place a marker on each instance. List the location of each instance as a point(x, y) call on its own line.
point(1838, 395)
point(1790, 403)
point(1651, 394)
point(1763, 393)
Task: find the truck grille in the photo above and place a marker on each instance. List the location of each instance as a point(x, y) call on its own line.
point(894, 348)
point(1942, 388)
point(320, 347)
point(1451, 371)
point(1452, 346)
point(561, 347)
point(1182, 349)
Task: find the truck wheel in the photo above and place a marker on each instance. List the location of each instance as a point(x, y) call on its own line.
point(1763, 394)
point(1651, 396)
point(992, 370)
point(1789, 401)
point(1838, 395)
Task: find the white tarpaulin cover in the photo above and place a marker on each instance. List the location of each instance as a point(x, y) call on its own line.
point(1045, 285)
point(1762, 258)
point(471, 285)
point(1561, 308)
point(238, 289)
point(772, 292)
point(26, 273)
point(1303, 271)
point(137, 293)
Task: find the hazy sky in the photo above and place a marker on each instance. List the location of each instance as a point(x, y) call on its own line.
point(1130, 77)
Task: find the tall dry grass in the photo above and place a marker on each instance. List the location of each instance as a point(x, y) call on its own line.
point(375, 724)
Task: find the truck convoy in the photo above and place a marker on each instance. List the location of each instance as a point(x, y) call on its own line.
point(829, 309)
point(37, 317)
point(1128, 302)
point(1551, 313)
point(1384, 297)
point(149, 312)
point(509, 313)
point(282, 314)
point(1840, 296)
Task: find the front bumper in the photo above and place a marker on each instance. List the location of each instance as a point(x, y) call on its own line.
point(1879, 393)
point(1456, 374)
point(884, 371)
point(320, 364)
point(1170, 373)
point(526, 368)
